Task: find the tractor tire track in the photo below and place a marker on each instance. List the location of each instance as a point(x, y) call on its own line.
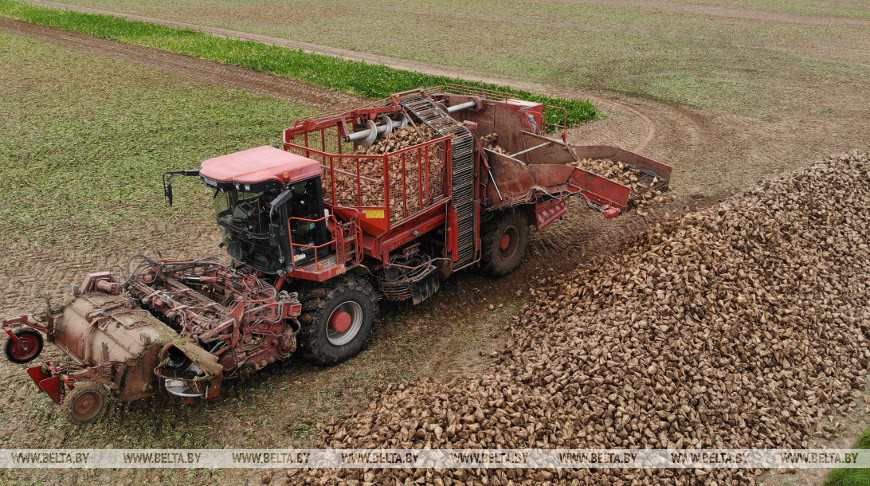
point(193, 67)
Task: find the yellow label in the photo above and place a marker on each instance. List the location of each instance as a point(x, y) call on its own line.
point(375, 214)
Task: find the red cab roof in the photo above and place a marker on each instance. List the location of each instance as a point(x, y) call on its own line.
point(260, 164)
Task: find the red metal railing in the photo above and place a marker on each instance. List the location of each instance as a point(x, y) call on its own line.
point(461, 89)
point(556, 126)
point(424, 167)
point(337, 239)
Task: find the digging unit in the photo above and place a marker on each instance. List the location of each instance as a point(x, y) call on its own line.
point(379, 202)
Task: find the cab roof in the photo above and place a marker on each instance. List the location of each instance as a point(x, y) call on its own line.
point(259, 164)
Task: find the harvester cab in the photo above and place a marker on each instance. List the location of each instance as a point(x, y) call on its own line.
point(269, 206)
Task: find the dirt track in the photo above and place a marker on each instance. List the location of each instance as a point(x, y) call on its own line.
point(203, 70)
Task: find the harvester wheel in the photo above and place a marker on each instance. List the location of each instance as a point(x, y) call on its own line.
point(85, 403)
point(337, 318)
point(28, 350)
point(504, 241)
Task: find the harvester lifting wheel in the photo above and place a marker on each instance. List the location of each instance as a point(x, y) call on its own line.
point(337, 318)
point(27, 349)
point(504, 240)
point(85, 403)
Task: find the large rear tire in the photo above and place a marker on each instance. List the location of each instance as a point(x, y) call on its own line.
point(504, 240)
point(337, 318)
point(85, 403)
point(28, 350)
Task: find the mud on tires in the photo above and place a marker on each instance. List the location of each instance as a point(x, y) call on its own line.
point(85, 403)
point(337, 318)
point(504, 240)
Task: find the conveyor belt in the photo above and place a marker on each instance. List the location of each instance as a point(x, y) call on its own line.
point(463, 168)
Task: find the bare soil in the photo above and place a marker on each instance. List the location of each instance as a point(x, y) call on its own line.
point(730, 12)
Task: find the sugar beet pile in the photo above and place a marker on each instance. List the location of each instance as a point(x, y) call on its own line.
point(742, 325)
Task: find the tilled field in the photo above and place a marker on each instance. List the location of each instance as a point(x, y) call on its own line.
point(744, 325)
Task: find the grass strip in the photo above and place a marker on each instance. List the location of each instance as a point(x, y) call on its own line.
point(852, 476)
point(367, 80)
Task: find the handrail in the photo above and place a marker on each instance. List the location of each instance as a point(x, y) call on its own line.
point(545, 124)
point(358, 234)
point(364, 156)
point(461, 89)
point(339, 249)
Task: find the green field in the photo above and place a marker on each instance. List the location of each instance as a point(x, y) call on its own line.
point(92, 152)
point(852, 476)
point(754, 58)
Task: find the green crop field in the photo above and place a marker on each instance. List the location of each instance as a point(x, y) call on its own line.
point(852, 476)
point(756, 58)
point(364, 79)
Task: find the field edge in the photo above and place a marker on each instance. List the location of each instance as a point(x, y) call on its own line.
point(357, 77)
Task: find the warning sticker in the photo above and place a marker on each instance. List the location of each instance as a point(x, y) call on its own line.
point(374, 214)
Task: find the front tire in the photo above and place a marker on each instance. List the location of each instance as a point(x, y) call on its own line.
point(28, 350)
point(337, 318)
point(504, 241)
